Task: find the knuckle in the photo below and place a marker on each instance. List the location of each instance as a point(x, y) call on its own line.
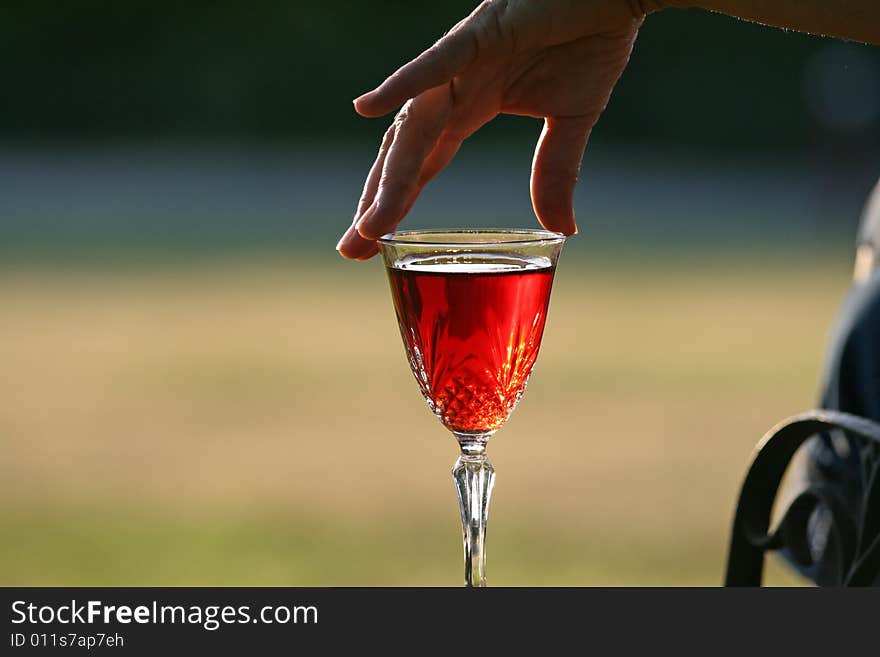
point(392, 189)
point(434, 54)
point(489, 24)
point(556, 176)
point(403, 114)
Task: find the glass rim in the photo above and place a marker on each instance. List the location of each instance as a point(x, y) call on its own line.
point(519, 236)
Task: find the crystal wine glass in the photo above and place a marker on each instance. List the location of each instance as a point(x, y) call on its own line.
point(471, 306)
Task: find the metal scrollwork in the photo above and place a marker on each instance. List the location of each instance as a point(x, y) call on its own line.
point(851, 553)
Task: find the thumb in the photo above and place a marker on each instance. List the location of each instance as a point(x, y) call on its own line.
point(555, 170)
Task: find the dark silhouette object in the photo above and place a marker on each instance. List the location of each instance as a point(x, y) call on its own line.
point(830, 531)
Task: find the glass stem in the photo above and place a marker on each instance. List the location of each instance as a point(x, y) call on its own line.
point(474, 477)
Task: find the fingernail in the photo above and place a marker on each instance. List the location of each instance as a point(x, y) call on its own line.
point(364, 218)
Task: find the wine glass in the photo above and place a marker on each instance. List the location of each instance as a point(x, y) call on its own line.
point(471, 306)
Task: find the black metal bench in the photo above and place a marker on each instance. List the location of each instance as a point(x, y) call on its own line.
point(851, 554)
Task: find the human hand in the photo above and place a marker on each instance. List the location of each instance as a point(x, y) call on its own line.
point(551, 59)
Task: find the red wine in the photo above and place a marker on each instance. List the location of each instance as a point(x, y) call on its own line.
point(472, 332)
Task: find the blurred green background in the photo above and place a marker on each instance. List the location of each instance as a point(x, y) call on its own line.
point(197, 390)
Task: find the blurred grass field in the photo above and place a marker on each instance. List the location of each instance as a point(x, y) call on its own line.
point(253, 421)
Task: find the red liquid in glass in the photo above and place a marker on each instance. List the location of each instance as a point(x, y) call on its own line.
point(472, 333)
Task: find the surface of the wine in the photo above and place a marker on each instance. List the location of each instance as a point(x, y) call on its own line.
point(472, 330)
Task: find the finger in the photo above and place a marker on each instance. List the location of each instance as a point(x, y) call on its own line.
point(436, 66)
point(371, 184)
point(446, 149)
point(419, 126)
point(355, 247)
point(352, 245)
point(555, 171)
point(440, 157)
point(434, 164)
